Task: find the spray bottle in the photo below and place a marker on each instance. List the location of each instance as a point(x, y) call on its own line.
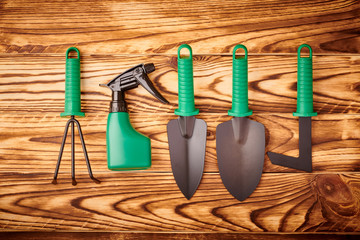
point(128, 149)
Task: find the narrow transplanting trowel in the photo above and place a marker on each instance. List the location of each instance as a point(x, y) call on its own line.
point(187, 135)
point(304, 112)
point(240, 142)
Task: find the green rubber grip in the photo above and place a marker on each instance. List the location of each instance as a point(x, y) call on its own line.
point(305, 85)
point(240, 104)
point(186, 84)
point(72, 86)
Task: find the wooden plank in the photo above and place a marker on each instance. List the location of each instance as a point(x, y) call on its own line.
point(211, 26)
point(30, 143)
point(35, 83)
point(171, 236)
point(152, 202)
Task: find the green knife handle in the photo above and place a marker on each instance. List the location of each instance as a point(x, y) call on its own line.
point(186, 84)
point(240, 105)
point(72, 85)
point(305, 85)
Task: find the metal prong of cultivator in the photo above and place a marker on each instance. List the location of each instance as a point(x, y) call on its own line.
point(85, 152)
point(72, 121)
point(61, 151)
point(73, 151)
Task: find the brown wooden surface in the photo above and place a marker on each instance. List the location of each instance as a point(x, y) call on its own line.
point(171, 236)
point(282, 202)
point(116, 35)
point(214, 26)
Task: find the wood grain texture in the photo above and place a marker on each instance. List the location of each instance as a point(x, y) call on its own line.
point(172, 236)
point(35, 83)
point(31, 143)
point(214, 26)
point(116, 35)
point(152, 202)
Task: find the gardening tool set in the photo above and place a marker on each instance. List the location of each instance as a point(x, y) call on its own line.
point(240, 142)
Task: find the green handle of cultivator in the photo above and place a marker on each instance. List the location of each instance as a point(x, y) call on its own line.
point(72, 85)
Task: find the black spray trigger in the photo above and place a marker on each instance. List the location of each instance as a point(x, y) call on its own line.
point(143, 80)
point(130, 79)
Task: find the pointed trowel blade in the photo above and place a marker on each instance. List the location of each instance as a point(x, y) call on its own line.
point(240, 148)
point(187, 140)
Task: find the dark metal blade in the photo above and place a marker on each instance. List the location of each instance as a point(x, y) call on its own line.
point(240, 147)
point(304, 161)
point(187, 140)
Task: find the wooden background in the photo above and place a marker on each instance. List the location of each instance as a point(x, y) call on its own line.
point(116, 35)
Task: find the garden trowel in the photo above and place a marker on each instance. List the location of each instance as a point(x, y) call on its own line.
point(240, 142)
point(304, 112)
point(187, 135)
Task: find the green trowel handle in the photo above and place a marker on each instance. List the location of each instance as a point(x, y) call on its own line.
point(72, 85)
point(305, 85)
point(186, 84)
point(240, 106)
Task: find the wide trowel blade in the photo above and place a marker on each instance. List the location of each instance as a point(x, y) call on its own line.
point(240, 147)
point(187, 140)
